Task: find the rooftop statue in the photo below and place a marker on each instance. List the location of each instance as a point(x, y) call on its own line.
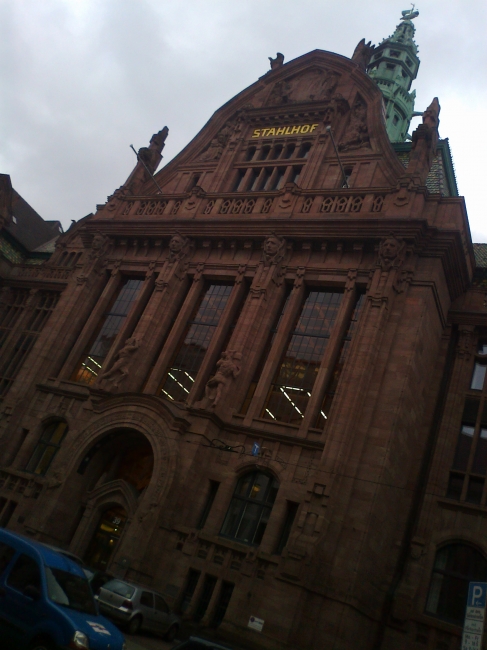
point(409, 14)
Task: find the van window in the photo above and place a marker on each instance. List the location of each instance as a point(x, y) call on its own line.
point(161, 605)
point(6, 554)
point(147, 599)
point(25, 573)
point(72, 591)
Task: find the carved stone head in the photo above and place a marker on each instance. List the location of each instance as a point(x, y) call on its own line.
point(274, 249)
point(391, 251)
point(177, 243)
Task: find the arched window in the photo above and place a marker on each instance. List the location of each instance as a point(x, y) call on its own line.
point(250, 508)
point(455, 566)
point(47, 447)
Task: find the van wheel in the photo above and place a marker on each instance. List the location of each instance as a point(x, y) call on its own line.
point(134, 625)
point(171, 633)
point(41, 645)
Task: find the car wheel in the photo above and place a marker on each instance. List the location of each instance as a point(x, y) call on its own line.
point(134, 625)
point(171, 633)
point(41, 645)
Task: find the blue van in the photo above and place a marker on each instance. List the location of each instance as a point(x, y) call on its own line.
point(46, 602)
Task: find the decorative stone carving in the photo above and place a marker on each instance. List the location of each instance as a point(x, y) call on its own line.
point(357, 134)
point(337, 105)
point(363, 53)
point(424, 142)
point(391, 252)
point(151, 155)
point(177, 261)
point(404, 188)
point(228, 368)
point(271, 267)
point(98, 246)
point(121, 368)
point(277, 62)
point(217, 145)
point(281, 93)
point(274, 250)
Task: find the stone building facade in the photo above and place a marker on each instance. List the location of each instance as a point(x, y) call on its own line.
point(247, 380)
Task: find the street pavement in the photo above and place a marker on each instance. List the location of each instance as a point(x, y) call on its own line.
point(147, 642)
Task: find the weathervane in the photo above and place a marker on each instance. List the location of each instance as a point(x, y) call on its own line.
point(409, 14)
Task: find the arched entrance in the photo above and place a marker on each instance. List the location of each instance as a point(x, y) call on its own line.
point(105, 538)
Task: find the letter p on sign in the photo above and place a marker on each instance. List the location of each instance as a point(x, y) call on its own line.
point(477, 594)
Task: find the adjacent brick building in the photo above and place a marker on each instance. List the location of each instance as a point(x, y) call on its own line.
point(255, 381)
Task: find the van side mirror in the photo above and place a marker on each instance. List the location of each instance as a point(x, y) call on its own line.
point(32, 592)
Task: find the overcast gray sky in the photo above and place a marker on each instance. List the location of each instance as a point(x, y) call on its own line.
point(81, 80)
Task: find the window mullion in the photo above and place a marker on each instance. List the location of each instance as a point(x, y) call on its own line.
point(274, 359)
point(328, 361)
point(217, 340)
point(173, 340)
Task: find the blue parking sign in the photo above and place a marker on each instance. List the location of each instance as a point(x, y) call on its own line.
point(477, 594)
point(255, 449)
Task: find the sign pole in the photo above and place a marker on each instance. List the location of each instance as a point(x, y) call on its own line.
point(473, 627)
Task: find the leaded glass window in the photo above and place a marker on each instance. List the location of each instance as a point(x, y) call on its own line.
point(47, 447)
point(93, 359)
point(250, 508)
point(455, 566)
point(291, 389)
point(467, 480)
point(14, 357)
point(199, 332)
point(340, 363)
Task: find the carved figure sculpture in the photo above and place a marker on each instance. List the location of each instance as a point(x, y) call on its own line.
point(121, 368)
point(274, 249)
point(363, 53)
point(277, 62)
point(176, 246)
point(151, 155)
point(217, 145)
point(391, 252)
point(228, 368)
point(357, 134)
point(335, 106)
point(281, 93)
point(97, 245)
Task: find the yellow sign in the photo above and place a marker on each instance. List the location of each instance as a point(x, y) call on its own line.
point(302, 129)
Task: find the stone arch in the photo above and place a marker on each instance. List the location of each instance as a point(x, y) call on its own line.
point(120, 419)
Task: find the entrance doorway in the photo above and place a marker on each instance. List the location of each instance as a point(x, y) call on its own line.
point(105, 538)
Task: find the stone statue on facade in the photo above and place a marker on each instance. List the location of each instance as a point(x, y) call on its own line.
point(277, 62)
point(363, 53)
point(357, 134)
point(121, 368)
point(228, 369)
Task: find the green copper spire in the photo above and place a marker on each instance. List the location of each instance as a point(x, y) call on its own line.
point(394, 66)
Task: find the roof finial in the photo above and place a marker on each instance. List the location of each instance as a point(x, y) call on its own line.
point(409, 14)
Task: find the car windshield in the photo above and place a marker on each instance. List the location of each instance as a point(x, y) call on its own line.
point(120, 588)
point(69, 590)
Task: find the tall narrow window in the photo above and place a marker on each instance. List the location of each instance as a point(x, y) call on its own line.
point(276, 181)
point(294, 381)
point(199, 332)
point(250, 508)
point(239, 181)
point(93, 358)
point(263, 359)
point(226, 592)
point(470, 460)
point(295, 174)
point(214, 485)
point(291, 511)
point(342, 357)
point(23, 344)
point(11, 310)
point(478, 377)
point(47, 447)
point(254, 179)
point(190, 588)
point(455, 566)
point(304, 150)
